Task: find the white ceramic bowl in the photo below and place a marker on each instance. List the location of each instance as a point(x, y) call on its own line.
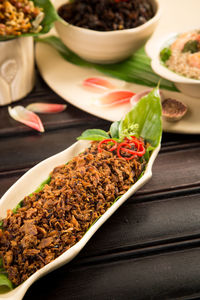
point(16, 69)
point(186, 85)
point(109, 46)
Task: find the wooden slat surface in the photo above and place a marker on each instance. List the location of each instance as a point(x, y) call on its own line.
point(150, 248)
point(169, 275)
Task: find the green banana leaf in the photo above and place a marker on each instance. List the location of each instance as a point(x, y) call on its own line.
point(136, 69)
point(147, 115)
point(50, 17)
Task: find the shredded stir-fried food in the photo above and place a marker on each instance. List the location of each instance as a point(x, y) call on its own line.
point(19, 16)
point(54, 219)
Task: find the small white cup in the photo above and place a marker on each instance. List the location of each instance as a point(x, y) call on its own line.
point(16, 69)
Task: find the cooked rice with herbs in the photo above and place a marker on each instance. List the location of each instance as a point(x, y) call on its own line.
point(183, 55)
point(178, 63)
point(19, 16)
point(56, 218)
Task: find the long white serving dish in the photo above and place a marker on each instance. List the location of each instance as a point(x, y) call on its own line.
point(30, 182)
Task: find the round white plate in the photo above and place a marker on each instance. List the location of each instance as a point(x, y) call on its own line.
point(65, 78)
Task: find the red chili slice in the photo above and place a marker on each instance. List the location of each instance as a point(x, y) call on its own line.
point(140, 152)
point(107, 141)
point(130, 151)
point(134, 138)
point(129, 158)
point(135, 141)
point(138, 143)
point(119, 148)
point(124, 147)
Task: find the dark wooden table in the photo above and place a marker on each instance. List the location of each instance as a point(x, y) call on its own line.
point(150, 248)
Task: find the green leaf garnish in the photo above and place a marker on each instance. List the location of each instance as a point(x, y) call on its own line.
point(114, 130)
point(191, 46)
point(40, 188)
point(143, 120)
point(50, 16)
point(5, 283)
point(136, 69)
point(165, 54)
point(1, 224)
point(148, 152)
point(94, 135)
point(19, 205)
point(147, 114)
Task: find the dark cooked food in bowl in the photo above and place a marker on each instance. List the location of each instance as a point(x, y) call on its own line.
point(107, 15)
point(56, 218)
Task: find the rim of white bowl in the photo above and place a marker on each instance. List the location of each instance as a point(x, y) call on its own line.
point(153, 20)
point(159, 67)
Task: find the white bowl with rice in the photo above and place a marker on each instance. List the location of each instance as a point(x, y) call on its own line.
point(182, 67)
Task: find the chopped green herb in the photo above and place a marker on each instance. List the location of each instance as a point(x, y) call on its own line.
point(191, 46)
point(165, 54)
point(132, 129)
